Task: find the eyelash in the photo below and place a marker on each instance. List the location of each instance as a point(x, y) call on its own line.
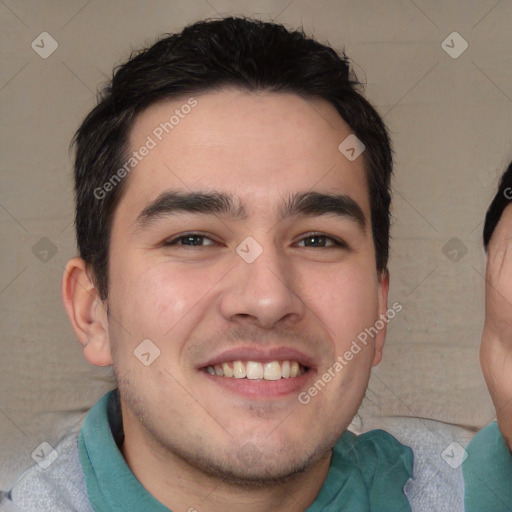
point(174, 241)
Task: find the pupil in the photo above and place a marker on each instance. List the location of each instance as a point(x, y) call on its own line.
point(194, 239)
point(315, 240)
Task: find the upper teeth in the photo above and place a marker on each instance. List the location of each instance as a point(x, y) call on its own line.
point(273, 370)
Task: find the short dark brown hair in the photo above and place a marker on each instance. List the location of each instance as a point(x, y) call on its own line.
point(207, 55)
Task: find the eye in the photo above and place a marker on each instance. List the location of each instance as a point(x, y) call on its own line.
point(321, 240)
point(189, 240)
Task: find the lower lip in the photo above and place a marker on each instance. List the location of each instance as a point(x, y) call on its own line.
point(262, 388)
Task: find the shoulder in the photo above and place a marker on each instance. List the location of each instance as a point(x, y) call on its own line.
point(55, 483)
point(438, 451)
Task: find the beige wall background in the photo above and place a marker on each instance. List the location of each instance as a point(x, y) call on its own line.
point(450, 117)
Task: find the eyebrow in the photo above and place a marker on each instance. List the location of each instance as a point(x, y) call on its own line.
point(172, 202)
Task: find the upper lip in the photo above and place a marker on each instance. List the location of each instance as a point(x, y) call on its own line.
point(263, 355)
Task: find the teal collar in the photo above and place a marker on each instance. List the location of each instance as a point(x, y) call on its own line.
point(111, 485)
point(487, 472)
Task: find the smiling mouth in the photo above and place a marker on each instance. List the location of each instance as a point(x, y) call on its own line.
point(255, 370)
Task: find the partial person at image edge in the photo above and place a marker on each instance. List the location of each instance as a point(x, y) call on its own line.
point(488, 467)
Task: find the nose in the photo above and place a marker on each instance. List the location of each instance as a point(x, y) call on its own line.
point(264, 292)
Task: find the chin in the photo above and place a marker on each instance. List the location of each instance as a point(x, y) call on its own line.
point(262, 474)
point(256, 466)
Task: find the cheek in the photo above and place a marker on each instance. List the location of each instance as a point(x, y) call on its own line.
point(155, 304)
point(160, 299)
point(347, 299)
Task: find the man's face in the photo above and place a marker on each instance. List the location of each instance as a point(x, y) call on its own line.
point(195, 284)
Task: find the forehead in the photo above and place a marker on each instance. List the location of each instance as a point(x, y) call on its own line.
point(258, 146)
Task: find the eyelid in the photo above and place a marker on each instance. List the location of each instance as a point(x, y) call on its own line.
point(338, 242)
point(175, 238)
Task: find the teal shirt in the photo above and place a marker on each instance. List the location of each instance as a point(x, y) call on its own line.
point(488, 472)
point(367, 472)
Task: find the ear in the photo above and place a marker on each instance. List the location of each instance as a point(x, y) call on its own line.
point(86, 312)
point(383, 288)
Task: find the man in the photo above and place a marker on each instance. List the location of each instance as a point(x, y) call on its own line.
point(232, 217)
point(488, 468)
